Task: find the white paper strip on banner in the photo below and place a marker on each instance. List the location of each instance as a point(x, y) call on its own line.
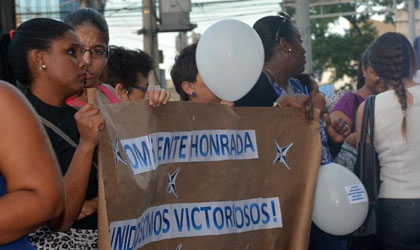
point(356, 193)
point(196, 219)
point(146, 153)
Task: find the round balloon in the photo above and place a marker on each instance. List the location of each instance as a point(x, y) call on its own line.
point(230, 58)
point(341, 201)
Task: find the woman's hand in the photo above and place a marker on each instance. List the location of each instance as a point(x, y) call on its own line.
point(337, 130)
point(89, 122)
point(157, 96)
point(302, 102)
point(89, 207)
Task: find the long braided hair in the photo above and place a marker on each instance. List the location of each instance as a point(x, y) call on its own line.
point(393, 59)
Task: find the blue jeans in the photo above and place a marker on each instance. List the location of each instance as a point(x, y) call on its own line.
point(399, 221)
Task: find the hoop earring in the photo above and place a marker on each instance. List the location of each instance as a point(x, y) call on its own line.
point(43, 67)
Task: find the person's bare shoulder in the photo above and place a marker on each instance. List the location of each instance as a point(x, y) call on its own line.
point(9, 93)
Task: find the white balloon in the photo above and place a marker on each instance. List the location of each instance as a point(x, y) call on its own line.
point(333, 213)
point(230, 58)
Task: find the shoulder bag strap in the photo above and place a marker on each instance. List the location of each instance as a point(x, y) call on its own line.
point(365, 122)
point(371, 114)
point(58, 131)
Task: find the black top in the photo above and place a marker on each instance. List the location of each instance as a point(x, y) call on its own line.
point(261, 95)
point(63, 118)
point(264, 95)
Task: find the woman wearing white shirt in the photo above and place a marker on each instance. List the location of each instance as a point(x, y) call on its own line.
point(397, 120)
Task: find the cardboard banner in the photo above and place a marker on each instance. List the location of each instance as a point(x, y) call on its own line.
point(204, 176)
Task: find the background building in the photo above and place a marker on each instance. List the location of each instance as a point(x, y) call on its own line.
point(55, 9)
point(401, 22)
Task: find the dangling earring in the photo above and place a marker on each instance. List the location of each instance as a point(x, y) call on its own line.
point(43, 67)
point(193, 94)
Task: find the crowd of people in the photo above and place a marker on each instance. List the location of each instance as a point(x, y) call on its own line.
point(48, 172)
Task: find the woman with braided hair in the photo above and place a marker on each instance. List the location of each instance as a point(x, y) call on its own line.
point(396, 141)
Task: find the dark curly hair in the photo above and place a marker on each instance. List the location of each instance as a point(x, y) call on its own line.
point(125, 64)
point(393, 59)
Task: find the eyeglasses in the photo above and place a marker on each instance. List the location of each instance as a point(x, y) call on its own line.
point(144, 89)
point(97, 53)
point(285, 18)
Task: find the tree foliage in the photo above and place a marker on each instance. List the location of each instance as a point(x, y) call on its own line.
point(342, 52)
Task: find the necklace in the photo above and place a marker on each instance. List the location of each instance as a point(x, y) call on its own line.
point(270, 74)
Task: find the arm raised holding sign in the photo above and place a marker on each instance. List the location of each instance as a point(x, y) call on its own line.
point(89, 123)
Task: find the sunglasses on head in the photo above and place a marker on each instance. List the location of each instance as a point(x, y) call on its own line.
point(285, 18)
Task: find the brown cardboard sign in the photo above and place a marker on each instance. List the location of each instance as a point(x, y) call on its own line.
point(206, 176)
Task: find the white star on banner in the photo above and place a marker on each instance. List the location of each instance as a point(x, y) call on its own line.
point(178, 248)
point(172, 184)
point(281, 153)
point(117, 154)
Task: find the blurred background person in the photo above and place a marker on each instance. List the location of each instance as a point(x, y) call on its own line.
point(368, 83)
point(347, 105)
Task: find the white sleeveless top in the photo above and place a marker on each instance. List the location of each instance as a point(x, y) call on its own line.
point(399, 157)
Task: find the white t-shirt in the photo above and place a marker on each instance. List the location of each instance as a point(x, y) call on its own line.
point(399, 157)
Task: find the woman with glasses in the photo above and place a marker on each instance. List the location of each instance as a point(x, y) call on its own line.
point(128, 72)
point(92, 30)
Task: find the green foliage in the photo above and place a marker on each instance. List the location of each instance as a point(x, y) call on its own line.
point(338, 51)
point(341, 52)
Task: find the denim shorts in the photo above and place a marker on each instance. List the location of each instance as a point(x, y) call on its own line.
point(399, 223)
